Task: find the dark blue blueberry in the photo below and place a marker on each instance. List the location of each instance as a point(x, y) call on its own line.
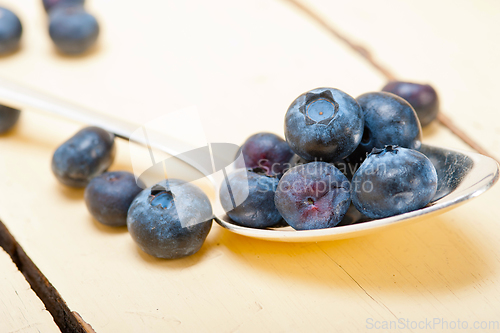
point(250, 199)
point(8, 118)
point(170, 220)
point(324, 123)
point(84, 156)
point(267, 151)
point(422, 97)
point(389, 120)
point(108, 197)
point(72, 29)
point(393, 181)
point(50, 4)
point(10, 31)
point(315, 195)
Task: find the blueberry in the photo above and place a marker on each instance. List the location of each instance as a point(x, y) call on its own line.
point(85, 155)
point(267, 151)
point(315, 195)
point(422, 97)
point(250, 201)
point(324, 123)
point(8, 118)
point(154, 219)
point(108, 197)
point(393, 181)
point(50, 4)
point(72, 29)
point(389, 120)
point(10, 31)
point(345, 165)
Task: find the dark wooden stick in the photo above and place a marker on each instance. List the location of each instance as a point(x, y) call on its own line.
point(363, 52)
point(54, 303)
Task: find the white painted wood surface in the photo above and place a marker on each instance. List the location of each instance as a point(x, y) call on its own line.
point(242, 63)
point(20, 309)
point(452, 45)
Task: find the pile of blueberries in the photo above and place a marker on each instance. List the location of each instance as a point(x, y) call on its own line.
point(338, 149)
point(72, 29)
point(339, 152)
point(116, 199)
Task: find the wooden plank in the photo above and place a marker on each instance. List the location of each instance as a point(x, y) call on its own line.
point(242, 64)
point(446, 43)
point(20, 309)
point(66, 320)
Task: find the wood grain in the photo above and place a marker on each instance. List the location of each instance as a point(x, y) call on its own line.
point(65, 319)
point(241, 63)
point(446, 44)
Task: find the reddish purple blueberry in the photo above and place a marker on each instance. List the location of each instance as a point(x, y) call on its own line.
point(422, 97)
point(315, 195)
point(85, 155)
point(50, 4)
point(266, 151)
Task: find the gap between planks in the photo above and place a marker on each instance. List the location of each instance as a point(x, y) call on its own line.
point(66, 320)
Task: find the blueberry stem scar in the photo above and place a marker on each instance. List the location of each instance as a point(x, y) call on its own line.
point(363, 52)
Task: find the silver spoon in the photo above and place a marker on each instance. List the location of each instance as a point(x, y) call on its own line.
point(461, 176)
point(17, 96)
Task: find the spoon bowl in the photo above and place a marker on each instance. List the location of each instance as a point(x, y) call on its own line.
point(462, 176)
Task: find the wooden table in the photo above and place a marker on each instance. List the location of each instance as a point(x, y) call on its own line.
point(241, 64)
point(20, 309)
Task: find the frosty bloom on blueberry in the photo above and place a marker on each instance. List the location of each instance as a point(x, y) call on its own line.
point(11, 31)
point(399, 180)
point(389, 120)
point(248, 198)
point(315, 195)
point(84, 156)
point(170, 220)
point(108, 197)
point(324, 123)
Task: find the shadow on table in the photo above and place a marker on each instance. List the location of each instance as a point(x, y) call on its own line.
point(431, 256)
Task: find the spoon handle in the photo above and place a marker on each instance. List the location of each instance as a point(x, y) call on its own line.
point(21, 97)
